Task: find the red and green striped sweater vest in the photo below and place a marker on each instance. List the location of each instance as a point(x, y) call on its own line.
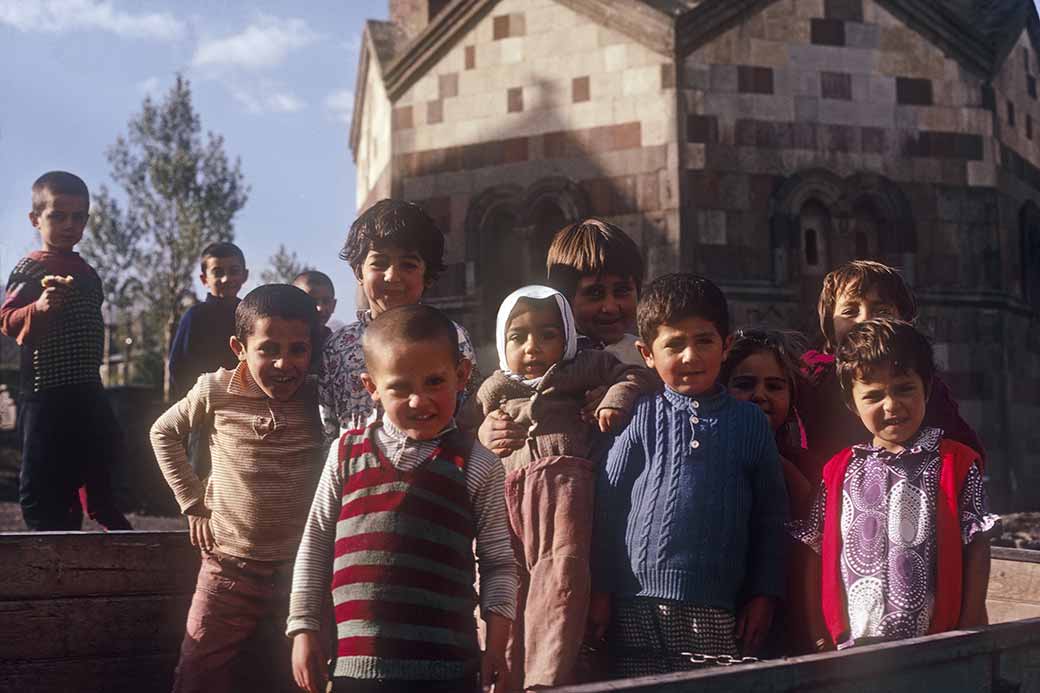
point(402, 581)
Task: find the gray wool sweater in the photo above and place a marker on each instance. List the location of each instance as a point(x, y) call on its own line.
point(551, 411)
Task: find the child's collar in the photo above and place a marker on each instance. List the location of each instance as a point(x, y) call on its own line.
point(703, 403)
point(397, 434)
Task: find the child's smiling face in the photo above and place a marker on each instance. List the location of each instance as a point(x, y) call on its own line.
point(534, 338)
point(853, 307)
point(224, 276)
point(891, 404)
point(278, 355)
point(417, 384)
point(392, 276)
point(604, 306)
point(686, 354)
point(760, 379)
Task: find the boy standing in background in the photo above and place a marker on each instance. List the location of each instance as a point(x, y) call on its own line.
point(200, 344)
point(53, 309)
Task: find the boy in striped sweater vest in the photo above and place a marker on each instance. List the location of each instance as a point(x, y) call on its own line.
point(392, 526)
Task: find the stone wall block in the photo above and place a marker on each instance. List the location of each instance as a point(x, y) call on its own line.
point(615, 58)
point(723, 78)
point(711, 226)
point(862, 35)
point(806, 109)
point(768, 53)
point(839, 112)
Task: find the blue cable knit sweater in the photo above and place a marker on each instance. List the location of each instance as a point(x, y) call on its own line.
point(691, 504)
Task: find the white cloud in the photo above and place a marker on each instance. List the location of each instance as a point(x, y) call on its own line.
point(61, 16)
point(265, 43)
point(341, 104)
point(149, 87)
point(270, 101)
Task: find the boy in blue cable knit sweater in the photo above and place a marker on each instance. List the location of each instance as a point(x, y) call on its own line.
point(688, 544)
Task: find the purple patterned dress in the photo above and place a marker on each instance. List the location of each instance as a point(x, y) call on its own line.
point(888, 554)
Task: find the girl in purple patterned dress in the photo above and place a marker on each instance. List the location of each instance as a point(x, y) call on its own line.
point(901, 523)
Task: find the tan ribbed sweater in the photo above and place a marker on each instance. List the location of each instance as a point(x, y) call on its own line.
point(267, 457)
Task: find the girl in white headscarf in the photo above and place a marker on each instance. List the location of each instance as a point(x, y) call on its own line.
point(541, 384)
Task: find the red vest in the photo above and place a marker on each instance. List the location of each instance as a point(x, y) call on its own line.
point(957, 459)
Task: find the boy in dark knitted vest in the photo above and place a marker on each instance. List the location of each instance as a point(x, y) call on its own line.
point(53, 309)
point(900, 522)
point(688, 552)
point(200, 344)
point(393, 524)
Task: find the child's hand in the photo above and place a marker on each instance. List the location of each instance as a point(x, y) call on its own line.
point(753, 624)
point(51, 299)
point(494, 672)
point(308, 662)
point(592, 399)
point(201, 534)
point(500, 434)
point(610, 420)
point(599, 617)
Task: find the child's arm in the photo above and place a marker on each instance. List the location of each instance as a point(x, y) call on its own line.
point(493, 666)
point(627, 383)
point(20, 306)
point(764, 581)
point(312, 574)
point(494, 549)
point(167, 436)
point(179, 353)
point(467, 351)
point(331, 364)
point(609, 558)
point(976, 582)
point(976, 525)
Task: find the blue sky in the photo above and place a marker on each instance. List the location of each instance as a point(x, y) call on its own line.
point(275, 79)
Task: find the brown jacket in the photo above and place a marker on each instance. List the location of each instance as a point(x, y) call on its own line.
point(552, 410)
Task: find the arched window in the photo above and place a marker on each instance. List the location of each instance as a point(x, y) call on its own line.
point(1029, 227)
point(814, 221)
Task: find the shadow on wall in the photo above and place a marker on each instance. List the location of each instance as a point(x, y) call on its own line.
point(502, 199)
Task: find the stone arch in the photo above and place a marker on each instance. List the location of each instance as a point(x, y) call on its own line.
point(1029, 231)
point(549, 205)
point(875, 195)
point(870, 217)
point(509, 228)
point(813, 191)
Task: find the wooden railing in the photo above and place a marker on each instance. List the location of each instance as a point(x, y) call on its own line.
point(105, 612)
point(88, 612)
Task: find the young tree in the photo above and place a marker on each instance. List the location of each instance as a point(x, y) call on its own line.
point(285, 267)
point(181, 193)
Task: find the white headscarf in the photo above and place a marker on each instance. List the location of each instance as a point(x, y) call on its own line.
point(534, 292)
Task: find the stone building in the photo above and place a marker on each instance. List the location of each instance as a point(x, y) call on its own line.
point(758, 142)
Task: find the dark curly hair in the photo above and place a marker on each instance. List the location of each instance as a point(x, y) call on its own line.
point(674, 297)
point(857, 278)
point(398, 223)
point(875, 343)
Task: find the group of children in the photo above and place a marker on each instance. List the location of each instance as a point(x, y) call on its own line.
point(633, 500)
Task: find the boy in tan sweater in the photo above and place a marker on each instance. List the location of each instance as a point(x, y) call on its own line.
point(265, 443)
